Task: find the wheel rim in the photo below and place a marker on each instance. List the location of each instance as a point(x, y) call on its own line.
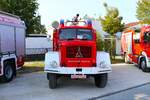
point(8, 72)
point(143, 64)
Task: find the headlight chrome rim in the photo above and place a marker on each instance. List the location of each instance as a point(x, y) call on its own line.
point(103, 64)
point(53, 64)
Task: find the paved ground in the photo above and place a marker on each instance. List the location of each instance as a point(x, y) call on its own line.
point(141, 92)
point(34, 86)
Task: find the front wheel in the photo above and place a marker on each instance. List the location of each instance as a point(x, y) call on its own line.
point(8, 73)
point(101, 80)
point(52, 80)
point(143, 65)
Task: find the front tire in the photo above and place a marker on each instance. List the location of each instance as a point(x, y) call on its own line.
point(52, 80)
point(101, 80)
point(143, 65)
point(8, 73)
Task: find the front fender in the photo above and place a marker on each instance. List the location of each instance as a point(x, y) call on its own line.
point(103, 57)
point(51, 56)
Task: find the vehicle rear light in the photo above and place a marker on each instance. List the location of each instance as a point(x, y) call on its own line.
point(20, 61)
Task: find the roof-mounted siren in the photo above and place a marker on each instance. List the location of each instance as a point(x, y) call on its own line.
point(62, 22)
point(89, 23)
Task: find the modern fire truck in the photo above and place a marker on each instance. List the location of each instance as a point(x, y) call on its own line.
point(75, 55)
point(12, 45)
point(136, 46)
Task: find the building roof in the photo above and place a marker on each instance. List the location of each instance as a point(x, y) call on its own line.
point(132, 24)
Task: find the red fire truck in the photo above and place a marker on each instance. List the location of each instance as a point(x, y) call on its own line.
point(74, 54)
point(136, 46)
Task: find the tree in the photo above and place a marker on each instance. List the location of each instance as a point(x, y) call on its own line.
point(27, 11)
point(112, 22)
point(143, 11)
point(99, 42)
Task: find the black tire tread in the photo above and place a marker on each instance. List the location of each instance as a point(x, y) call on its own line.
point(4, 78)
point(101, 80)
point(52, 80)
point(145, 69)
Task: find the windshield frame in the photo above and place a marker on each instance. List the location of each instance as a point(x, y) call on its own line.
point(77, 34)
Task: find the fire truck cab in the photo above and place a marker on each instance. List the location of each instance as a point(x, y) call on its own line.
point(136, 46)
point(74, 54)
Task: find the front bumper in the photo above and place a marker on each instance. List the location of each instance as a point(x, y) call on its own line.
point(78, 70)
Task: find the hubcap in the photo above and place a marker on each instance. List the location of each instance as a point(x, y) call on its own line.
point(8, 72)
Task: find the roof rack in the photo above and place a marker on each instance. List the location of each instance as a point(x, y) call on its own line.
point(8, 14)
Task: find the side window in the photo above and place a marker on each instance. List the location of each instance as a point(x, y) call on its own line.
point(136, 37)
point(147, 37)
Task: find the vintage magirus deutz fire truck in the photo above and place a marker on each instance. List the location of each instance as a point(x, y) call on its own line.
point(75, 55)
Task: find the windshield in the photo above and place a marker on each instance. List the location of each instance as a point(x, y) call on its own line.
point(69, 34)
point(147, 37)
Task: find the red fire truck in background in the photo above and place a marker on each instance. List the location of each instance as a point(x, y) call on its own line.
point(136, 46)
point(75, 55)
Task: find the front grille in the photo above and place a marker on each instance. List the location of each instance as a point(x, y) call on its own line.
point(79, 52)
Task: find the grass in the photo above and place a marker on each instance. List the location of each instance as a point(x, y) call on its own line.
point(115, 61)
point(32, 66)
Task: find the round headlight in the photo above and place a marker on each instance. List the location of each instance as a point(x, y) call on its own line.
point(103, 64)
point(53, 64)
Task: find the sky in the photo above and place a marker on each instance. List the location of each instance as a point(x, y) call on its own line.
point(51, 10)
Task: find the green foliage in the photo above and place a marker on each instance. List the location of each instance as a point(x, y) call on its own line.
point(110, 46)
point(107, 45)
point(27, 11)
point(99, 42)
point(143, 11)
point(112, 22)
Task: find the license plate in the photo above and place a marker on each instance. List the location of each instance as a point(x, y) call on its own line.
point(82, 76)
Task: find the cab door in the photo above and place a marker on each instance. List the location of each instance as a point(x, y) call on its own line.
point(146, 42)
point(136, 46)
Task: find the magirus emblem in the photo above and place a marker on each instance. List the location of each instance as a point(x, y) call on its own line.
point(79, 54)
